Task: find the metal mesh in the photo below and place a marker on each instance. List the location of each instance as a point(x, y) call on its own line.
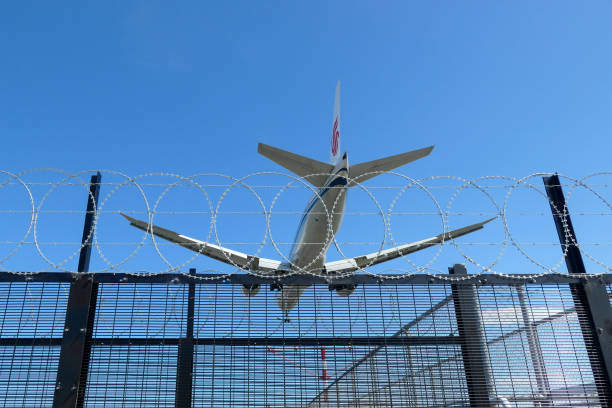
point(537, 354)
point(132, 364)
point(387, 344)
point(31, 326)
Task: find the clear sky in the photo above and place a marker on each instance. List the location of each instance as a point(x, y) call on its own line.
point(500, 88)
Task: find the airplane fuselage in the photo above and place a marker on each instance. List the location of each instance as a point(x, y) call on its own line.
point(320, 221)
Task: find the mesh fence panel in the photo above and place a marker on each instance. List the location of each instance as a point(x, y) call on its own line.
point(29, 312)
point(387, 344)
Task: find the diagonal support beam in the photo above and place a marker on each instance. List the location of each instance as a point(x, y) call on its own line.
point(80, 313)
point(591, 298)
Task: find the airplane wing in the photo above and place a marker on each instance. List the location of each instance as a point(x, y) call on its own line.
point(255, 263)
point(228, 256)
point(354, 264)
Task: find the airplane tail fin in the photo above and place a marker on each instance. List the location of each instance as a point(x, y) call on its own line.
point(365, 171)
point(314, 171)
point(317, 172)
point(335, 136)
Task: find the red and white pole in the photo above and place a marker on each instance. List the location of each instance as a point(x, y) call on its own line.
point(324, 375)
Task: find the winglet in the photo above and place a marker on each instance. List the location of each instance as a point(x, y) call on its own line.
point(130, 219)
point(466, 230)
point(136, 223)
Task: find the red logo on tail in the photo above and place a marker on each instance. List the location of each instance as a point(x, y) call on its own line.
point(335, 137)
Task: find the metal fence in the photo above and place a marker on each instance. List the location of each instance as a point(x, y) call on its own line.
point(421, 340)
point(472, 340)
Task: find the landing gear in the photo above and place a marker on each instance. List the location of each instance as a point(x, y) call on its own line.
point(343, 290)
point(284, 319)
point(250, 290)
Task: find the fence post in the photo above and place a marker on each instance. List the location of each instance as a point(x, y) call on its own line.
point(591, 298)
point(184, 367)
point(535, 351)
point(473, 341)
point(80, 314)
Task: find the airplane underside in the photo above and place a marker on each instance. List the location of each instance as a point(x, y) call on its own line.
point(320, 222)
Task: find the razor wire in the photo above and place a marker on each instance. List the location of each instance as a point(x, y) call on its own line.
point(39, 186)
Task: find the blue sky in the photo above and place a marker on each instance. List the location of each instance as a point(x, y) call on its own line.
point(506, 88)
point(500, 88)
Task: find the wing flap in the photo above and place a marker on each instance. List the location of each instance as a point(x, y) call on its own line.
point(374, 258)
point(226, 255)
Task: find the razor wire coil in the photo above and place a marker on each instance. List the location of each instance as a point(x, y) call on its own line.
point(38, 193)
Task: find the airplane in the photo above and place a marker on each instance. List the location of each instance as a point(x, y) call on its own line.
point(320, 222)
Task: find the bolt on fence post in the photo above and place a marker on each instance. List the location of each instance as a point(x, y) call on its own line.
point(591, 298)
point(473, 342)
point(80, 314)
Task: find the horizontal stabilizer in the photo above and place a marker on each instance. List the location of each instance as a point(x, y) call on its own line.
point(354, 264)
point(300, 165)
point(365, 171)
point(228, 256)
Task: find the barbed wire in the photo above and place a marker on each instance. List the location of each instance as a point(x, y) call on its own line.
point(38, 193)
